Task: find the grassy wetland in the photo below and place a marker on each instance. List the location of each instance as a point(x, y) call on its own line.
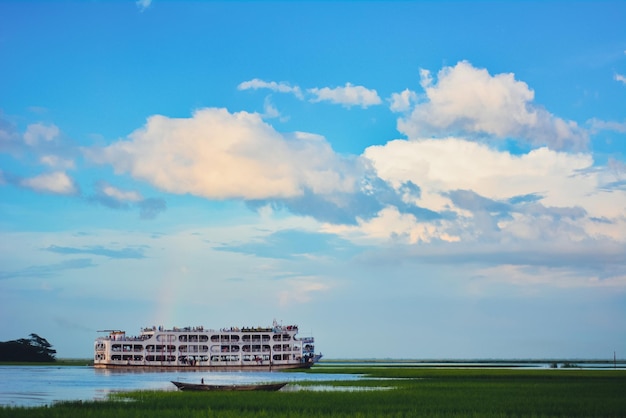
point(408, 392)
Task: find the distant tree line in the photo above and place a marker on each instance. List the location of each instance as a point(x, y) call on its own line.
point(35, 349)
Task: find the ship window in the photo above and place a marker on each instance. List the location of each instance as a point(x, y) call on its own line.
point(224, 338)
point(204, 348)
point(204, 338)
point(165, 337)
point(234, 348)
point(256, 348)
point(116, 357)
point(286, 337)
point(246, 348)
point(266, 348)
point(137, 348)
point(256, 338)
point(246, 338)
point(276, 347)
point(182, 338)
point(193, 338)
point(116, 347)
point(285, 347)
point(234, 338)
point(215, 338)
point(276, 337)
point(266, 338)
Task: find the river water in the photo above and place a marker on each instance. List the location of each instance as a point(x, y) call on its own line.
point(44, 385)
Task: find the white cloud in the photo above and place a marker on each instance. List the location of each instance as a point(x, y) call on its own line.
point(601, 125)
point(40, 132)
point(143, 4)
point(348, 96)
point(566, 186)
point(119, 194)
point(219, 155)
point(468, 100)
point(281, 87)
point(621, 78)
point(55, 161)
point(390, 224)
point(56, 182)
point(269, 110)
point(401, 102)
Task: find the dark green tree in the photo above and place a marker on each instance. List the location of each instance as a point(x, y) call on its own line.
point(35, 348)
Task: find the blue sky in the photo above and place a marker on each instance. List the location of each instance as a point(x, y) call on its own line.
point(401, 180)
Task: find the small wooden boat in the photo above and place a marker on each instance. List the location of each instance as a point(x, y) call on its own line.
point(269, 387)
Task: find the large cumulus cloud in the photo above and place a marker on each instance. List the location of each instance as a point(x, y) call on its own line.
point(220, 155)
point(469, 100)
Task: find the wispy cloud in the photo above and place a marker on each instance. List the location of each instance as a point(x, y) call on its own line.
point(621, 78)
point(47, 270)
point(143, 4)
point(597, 125)
point(116, 198)
point(57, 182)
point(293, 244)
point(38, 132)
point(127, 252)
point(348, 96)
point(282, 87)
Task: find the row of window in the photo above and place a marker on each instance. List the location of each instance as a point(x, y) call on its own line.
point(151, 348)
point(202, 338)
point(195, 359)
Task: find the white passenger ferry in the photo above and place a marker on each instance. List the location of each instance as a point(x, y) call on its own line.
point(270, 348)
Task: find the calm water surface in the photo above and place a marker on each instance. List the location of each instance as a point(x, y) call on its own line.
point(44, 385)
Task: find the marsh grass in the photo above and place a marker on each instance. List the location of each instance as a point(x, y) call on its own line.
point(416, 393)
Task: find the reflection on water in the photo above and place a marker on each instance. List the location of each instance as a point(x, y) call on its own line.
point(44, 385)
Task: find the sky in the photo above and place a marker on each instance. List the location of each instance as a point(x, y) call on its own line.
point(414, 179)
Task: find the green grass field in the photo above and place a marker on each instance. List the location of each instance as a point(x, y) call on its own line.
point(415, 392)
